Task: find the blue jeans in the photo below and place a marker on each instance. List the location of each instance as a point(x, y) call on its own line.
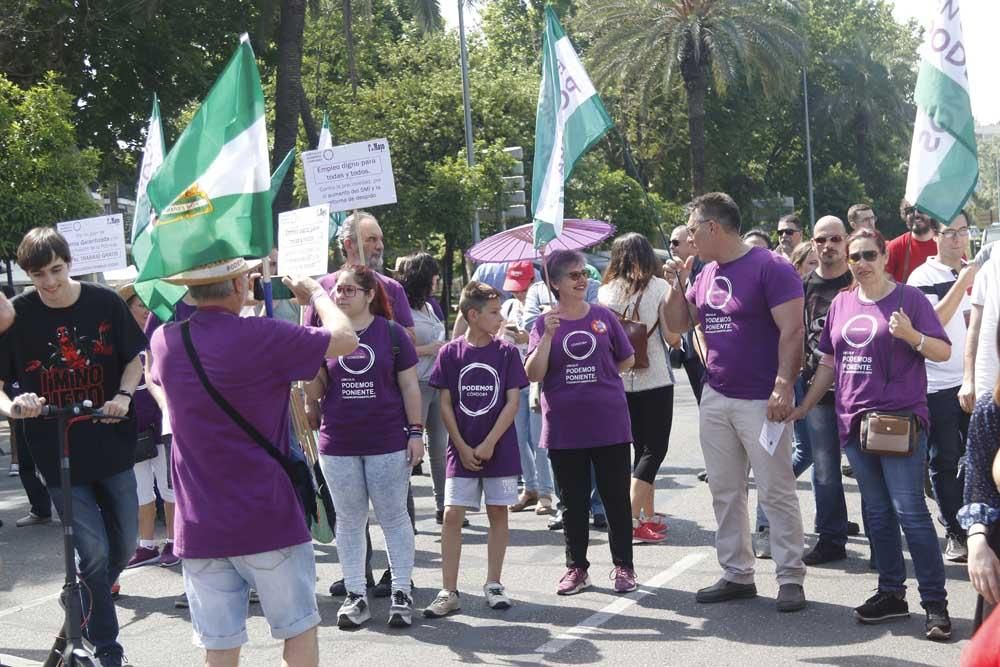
point(535, 468)
point(802, 456)
point(105, 530)
point(892, 488)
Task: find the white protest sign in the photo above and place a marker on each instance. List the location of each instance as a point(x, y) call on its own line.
point(351, 176)
point(95, 244)
point(302, 241)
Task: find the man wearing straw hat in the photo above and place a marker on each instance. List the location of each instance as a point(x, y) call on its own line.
point(239, 523)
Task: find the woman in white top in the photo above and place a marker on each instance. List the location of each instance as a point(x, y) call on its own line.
point(633, 289)
point(417, 273)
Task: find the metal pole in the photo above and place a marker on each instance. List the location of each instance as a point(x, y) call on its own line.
point(470, 155)
point(809, 158)
point(996, 168)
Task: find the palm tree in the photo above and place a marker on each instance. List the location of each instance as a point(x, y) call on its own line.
point(642, 45)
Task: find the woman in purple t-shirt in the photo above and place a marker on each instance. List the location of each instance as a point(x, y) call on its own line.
point(875, 341)
point(578, 351)
point(370, 439)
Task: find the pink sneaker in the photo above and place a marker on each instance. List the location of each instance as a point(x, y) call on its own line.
point(144, 556)
point(574, 581)
point(624, 579)
point(167, 557)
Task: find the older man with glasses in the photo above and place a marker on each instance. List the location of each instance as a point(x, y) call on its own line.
point(945, 279)
point(789, 235)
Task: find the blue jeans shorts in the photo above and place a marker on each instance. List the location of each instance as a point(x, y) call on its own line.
point(218, 591)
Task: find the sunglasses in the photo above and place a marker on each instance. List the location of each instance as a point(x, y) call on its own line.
point(867, 255)
point(577, 276)
point(952, 234)
point(787, 232)
point(350, 291)
point(674, 242)
point(820, 240)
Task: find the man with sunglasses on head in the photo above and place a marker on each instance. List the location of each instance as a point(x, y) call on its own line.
point(789, 235)
point(912, 248)
point(945, 278)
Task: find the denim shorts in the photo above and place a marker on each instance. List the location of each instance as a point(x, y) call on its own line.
point(218, 592)
point(469, 491)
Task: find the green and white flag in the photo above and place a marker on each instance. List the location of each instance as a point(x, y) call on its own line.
point(212, 192)
point(944, 167)
point(157, 295)
point(326, 141)
point(569, 120)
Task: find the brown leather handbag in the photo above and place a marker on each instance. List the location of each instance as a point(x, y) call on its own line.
point(888, 433)
point(638, 334)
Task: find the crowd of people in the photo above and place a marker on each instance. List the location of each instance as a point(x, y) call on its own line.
point(551, 395)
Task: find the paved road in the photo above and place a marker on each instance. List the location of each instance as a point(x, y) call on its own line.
point(659, 624)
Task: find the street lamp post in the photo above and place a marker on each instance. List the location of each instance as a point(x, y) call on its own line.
point(809, 159)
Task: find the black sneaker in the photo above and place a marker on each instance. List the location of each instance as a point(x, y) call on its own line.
point(881, 607)
point(181, 601)
point(853, 529)
point(338, 589)
point(824, 552)
point(439, 518)
point(938, 626)
point(600, 521)
point(383, 588)
point(556, 523)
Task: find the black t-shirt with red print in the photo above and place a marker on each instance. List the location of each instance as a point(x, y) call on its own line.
point(69, 355)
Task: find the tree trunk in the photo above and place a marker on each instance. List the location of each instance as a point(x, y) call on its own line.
point(352, 69)
point(308, 122)
point(446, 271)
point(287, 94)
point(696, 87)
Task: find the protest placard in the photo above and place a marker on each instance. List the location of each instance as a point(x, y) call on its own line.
point(351, 176)
point(302, 241)
point(96, 244)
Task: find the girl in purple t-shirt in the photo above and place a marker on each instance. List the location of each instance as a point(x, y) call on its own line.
point(578, 351)
point(370, 439)
point(875, 341)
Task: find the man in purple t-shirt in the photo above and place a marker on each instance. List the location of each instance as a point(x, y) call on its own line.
point(245, 527)
point(748, 304)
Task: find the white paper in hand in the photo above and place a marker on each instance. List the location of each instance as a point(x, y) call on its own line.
point(770, 435)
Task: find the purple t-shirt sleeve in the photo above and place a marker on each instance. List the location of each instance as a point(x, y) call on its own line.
point(439, 379)
point(299, 351)
point(783, 283)
point(516, 377)
point(692, 291)
point(401, 312)
point(407, 357)
point(923, 317)
point(621, 346)
point(535, 335)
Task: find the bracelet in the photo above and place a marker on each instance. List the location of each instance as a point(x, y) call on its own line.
point(978, 532)
point(919, 347)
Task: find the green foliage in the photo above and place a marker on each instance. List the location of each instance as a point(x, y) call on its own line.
point(45, 176)
point(837, 185)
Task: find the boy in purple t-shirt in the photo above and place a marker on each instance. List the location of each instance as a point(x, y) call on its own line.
point(474, 373)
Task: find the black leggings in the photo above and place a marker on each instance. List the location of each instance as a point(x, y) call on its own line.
point(652, 413)
point(572, 470)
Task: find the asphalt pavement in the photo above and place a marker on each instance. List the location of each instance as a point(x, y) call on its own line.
point(659, 624)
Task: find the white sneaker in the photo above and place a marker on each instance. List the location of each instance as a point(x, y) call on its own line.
point(445, 603)
point(401, 610)
point(14, 470)
point(496, 597)
point(353, 612)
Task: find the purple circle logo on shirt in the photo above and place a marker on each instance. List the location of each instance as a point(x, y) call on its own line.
point(358, 362)
point(720, 292)
point(579, 345)
point(478, 384)
point(859, 330)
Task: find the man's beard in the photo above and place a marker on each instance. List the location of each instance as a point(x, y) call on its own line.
point(374, 262)
point(920, 226)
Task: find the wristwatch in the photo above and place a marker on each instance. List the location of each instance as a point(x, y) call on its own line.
point(919, 347)
point(122, 392)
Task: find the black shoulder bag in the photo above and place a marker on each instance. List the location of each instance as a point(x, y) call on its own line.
point(296, 468)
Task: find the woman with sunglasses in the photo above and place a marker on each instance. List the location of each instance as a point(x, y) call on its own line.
point(370, 439)
point(874, 343)
point(578, 351)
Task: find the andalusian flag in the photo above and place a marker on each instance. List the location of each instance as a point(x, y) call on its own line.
point(326, 141)
point(943, 167)
point(569, 120)
point(212, 193)
point(157, 295)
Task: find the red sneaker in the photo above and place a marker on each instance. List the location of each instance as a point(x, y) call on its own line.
point(646, 533)
point(116, 590)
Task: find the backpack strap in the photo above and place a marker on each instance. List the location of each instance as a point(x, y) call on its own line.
point(394, 337)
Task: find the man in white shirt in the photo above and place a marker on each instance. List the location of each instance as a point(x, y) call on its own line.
point(945, 280)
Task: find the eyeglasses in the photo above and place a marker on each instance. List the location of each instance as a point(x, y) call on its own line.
point(820, 240)
point(912, 212)
point(350, 291)
point(691, 229)
point(867, 255)
point(675, 242)
point(787, 232)
point(577, 276)
point(952, 234)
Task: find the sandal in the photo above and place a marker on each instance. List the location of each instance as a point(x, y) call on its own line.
point(524, 501)
point(544, 506)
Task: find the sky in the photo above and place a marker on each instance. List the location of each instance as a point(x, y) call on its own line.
point(980, 23)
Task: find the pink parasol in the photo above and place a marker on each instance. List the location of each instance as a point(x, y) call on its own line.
point(515, 244)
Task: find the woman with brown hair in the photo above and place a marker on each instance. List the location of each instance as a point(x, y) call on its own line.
point(633, 289)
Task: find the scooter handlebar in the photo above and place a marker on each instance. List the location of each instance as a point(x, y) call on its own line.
point(84, 409)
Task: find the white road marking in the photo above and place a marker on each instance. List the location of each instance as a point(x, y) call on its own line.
point(588, 625)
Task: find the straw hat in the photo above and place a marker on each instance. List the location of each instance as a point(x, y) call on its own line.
point(126, 291)
point(215, 272)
